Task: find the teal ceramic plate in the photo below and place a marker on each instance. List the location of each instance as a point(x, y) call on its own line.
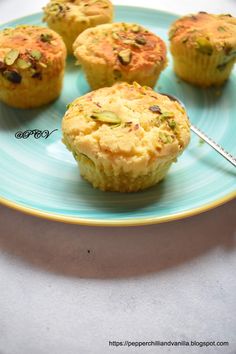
point(40, 176)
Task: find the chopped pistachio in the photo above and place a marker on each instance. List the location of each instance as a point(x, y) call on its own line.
point(128, 41)
point(106, 117)
point(125, 56)
point(166, 115)
point(36, 54)
point(140, 40)
point(172, 124)
point(115, 35)
point(155, 109)
point(163, 137)
point(11, 56)
point(136, 29)
point(204, 46)
point(12, 76)
point(23, 64)
point(46, 37)
point(221, 29)
point(43, 65)
point(68, 105)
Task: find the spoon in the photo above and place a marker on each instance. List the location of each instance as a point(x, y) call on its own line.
point(204, 137)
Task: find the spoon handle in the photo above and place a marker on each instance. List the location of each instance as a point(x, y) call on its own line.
point(215, 146)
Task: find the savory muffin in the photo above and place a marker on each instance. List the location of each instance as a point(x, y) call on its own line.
point(120, 52)
point(71, 17)
point(32, 61)
point(204, 48)
point(125, 137)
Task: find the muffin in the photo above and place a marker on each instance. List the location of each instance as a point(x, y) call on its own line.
point(120, 52)
point(204, 48)
point(125, 137)
point(71, 17)
point(32, 61)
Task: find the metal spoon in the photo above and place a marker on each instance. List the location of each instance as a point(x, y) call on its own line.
point(204, 137)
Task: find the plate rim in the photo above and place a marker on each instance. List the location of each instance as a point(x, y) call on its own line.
point(117, 223)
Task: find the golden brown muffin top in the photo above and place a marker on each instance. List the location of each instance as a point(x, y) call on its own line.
point(79, 10)
point(206, 32)
point(123, 46)
point(30, 49)
point(126, 122)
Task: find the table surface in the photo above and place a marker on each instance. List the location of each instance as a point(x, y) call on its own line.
point(68, 289)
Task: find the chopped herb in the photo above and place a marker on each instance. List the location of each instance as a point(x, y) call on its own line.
point(140, 40)
point(36, 54)
point(125, 56)
point(204, 46)
point(46, 37)
point(106, 117)
point(11, 56)
point(155, 109)
point(12, 76)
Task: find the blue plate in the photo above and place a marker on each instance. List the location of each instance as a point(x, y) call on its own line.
point(40, 177)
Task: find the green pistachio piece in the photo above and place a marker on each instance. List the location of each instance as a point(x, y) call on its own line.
point(125, 56)
point(115, 35)
point(23, 64)
point(128, 41)
point(221, 29)
point(136, 29)
point(12, 76)
point(204, 46)
point(36, 54)
point(11, 56)
point(43, 65)
point(140, 40)
point(163, 137)
point(106, 117)
point(172, 124)
point(166, 115)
